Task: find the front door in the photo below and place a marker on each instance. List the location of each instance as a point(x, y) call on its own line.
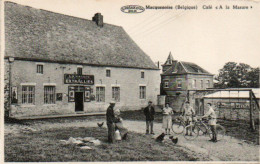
point(79, 105)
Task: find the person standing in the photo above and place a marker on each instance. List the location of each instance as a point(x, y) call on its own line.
point(212, 121)
point(149, 114)
point(167, 118)
point(188, 113)
point(110, 116)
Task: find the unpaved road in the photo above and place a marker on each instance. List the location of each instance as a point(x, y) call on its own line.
point(229, 149)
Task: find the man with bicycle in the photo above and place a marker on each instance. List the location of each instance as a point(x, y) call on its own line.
point(188, 114)
point(212, 121)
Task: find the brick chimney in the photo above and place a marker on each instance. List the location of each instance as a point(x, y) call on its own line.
point(98, 18)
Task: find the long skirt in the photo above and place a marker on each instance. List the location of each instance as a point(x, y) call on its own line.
point(167, 121)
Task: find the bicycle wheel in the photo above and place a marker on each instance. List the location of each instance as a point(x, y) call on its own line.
point(191, 132)
point(177, 127)
point(202, 130)
point(221, 131)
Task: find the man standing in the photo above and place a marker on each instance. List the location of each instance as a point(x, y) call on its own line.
point(111, 122)
point(149, 114)
point(212, 121)
point(188, 113)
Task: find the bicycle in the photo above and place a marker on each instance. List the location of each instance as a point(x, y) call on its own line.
point(178, 125)
point(200, 128)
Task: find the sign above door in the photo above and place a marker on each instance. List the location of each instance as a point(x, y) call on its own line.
point(78, 79)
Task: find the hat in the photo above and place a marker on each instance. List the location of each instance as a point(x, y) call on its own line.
point(112, 102)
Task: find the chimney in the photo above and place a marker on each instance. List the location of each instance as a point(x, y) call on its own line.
point(98, 18)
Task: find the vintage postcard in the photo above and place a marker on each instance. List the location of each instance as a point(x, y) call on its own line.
point(130, 80)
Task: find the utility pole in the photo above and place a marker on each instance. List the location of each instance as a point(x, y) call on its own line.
point(11, 60)
point(252, 122)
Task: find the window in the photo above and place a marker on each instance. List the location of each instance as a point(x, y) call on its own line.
point(166, 84)
point(100, 94)
point(179, 83)
point(108, 73)
point(208, 84)
point(40, 68)
point(201, 84)
point(49, 94)
point(116, 93)
point(142, 74)
point(142, 92)
point(79, 71)
point(28, 94)
point(194, 84)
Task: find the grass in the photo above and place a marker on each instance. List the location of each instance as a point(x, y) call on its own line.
point(45, 146)
point(238, 129)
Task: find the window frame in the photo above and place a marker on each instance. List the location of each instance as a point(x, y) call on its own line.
point(142, 92)
point(208, 84)
point(179, 80)
point(47, 95)
point(99, 94)
point(166, 82)
point(79, 70)
point(194, 83)
point(202, 84)
point(27, 94)
point(142, 74)
point(39, 65)
point(116, 93)
point(108, 72)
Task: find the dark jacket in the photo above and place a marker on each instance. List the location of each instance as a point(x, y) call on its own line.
point(110, 115)
point(149, 114)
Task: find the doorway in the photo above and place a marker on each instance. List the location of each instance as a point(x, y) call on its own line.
point(79, 103)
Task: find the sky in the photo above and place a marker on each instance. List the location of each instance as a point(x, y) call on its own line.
point(209, 38)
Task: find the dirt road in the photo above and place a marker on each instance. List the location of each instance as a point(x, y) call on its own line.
point(229, 149)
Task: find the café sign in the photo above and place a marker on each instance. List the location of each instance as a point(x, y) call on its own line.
point(78, 79)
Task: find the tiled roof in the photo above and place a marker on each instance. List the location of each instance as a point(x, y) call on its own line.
point(43, 35)
point(185, 67)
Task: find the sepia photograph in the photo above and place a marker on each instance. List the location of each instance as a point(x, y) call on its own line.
point(130, 81)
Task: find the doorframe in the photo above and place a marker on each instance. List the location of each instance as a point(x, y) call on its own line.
point(83, 97)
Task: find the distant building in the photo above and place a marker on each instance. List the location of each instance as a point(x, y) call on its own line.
point(59, 64)
point(177, 77)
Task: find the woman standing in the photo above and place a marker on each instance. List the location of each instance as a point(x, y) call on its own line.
point(167, 118)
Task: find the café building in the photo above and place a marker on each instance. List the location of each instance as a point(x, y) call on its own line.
point(57, 64)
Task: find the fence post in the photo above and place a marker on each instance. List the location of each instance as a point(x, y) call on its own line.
point(252, 122)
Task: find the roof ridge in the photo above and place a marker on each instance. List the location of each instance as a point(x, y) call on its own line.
point(45, 10)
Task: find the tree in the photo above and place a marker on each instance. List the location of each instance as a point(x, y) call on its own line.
point(234, 75)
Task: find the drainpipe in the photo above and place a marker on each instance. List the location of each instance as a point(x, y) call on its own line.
point(11, 60)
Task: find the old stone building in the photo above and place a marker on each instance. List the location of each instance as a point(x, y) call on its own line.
point(60, 64)
point(178, 77)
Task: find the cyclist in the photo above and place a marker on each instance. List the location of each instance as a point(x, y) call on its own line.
point(212, 121)
point(188, 114)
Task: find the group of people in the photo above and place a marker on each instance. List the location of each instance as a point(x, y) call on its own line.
point(114, 121)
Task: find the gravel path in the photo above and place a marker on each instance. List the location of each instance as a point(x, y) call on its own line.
point(229, 149)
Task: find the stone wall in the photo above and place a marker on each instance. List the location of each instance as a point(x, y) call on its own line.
point(128, 79)
point(6, 85)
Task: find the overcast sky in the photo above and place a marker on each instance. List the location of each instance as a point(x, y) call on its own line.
point(209, 38)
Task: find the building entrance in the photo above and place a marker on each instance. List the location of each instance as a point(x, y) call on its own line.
point(79, 101)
